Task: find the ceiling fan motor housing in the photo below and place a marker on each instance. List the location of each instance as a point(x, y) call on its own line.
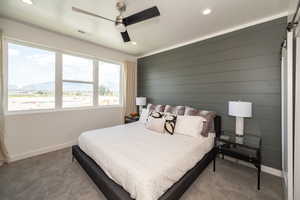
point(119, 24)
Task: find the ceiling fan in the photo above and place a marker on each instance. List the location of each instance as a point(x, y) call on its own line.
point(121, 23)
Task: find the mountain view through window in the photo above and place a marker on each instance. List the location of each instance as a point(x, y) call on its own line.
point(31, 78)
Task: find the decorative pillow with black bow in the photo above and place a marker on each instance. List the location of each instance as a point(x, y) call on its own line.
point(170, 122)
point(161, 122)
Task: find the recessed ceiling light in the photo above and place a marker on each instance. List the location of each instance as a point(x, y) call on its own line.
point(28, 2)
point(206, 11)
point(133, 42)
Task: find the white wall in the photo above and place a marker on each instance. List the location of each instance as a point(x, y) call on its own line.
point(58, 41)
point(292, 5)
point(36, 133)
point(32, 134)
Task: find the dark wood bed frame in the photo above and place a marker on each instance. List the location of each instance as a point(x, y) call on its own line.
point(113, 191)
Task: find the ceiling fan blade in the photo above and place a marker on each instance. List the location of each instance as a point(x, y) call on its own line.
point(91, 14)
point(125, 36)
point(141, 16)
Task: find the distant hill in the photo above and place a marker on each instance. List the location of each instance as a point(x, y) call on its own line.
point(49, 86)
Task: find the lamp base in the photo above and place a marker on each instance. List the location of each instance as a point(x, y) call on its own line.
point(239, 139)
point(239, 126)
point(140, 110)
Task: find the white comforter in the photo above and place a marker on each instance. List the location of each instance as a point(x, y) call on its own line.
point(143, 162)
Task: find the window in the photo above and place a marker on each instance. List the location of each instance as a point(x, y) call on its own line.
point(77, 81)
point(109, 83)
point(39, 79)
point(31, 78)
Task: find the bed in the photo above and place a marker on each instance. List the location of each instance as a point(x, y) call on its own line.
point(165, 173)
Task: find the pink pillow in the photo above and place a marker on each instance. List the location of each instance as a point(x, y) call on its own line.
point(177, 110)
point(157, 108)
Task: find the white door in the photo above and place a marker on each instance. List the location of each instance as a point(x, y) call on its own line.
point(297, 123)
point(287, 117)
point(284, 115)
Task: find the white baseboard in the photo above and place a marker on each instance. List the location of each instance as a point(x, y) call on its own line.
point(271, 170)
point(40, 151)
point(266, 169)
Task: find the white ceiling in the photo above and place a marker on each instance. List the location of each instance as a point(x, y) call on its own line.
point(180, 20)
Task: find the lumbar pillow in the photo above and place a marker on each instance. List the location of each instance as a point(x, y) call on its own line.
point(189, 125)
point(144, 115)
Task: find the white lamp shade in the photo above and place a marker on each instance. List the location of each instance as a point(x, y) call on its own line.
point(240, 109)
point(141, 101)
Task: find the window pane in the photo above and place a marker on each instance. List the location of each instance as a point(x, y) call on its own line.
point(109, 83)
point(77, 68)
point(77, 94)
point(31, 78)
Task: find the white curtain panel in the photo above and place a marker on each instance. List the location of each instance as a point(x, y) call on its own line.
point(2, 146)
point(130, 79)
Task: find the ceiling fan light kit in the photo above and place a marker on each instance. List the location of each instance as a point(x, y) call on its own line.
point(121, 23)
point(27, 2)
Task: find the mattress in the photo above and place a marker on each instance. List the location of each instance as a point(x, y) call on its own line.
point(143, 162)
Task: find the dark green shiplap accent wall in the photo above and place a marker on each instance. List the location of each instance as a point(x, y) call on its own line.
point(242, 65)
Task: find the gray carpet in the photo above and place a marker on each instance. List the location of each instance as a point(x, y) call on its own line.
point(53, 176)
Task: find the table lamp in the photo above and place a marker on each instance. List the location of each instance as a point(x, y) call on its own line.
point(239, 109)
point(141, 101)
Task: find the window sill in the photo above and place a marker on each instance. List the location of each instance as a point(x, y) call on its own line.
point(28, 112)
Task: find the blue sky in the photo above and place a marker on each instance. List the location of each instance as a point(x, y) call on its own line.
point(29, 66)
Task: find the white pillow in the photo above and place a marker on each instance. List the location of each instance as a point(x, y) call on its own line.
point(144, 115)
point(189, 125)
point(156, 124)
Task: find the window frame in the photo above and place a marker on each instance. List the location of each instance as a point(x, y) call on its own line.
point(59, 79)
point(95, 68)
point(120, 82)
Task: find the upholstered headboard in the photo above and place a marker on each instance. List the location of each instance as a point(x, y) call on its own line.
point(218, 125)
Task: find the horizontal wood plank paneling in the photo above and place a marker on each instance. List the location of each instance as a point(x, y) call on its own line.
point(242, 65)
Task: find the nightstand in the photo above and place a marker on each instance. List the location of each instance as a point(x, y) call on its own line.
point(246, 148)
point(130, 119)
